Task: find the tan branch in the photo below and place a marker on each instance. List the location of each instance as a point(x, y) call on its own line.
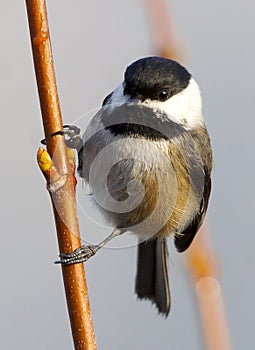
point(58, 172)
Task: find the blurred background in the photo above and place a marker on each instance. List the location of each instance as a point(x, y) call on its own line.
point(92, 44)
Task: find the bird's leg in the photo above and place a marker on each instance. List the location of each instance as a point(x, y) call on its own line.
point(83, 253)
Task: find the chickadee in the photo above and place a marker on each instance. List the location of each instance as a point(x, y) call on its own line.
point(147, 158)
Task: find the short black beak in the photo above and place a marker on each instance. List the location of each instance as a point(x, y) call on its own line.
point(132, 92)
point(141, 97)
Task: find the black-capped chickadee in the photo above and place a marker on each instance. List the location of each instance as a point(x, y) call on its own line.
point(147, 158)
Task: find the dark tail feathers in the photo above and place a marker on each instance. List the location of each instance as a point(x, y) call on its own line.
point(152, 274)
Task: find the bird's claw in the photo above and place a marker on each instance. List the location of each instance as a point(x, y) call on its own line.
point(79, 255)
point(72, 136)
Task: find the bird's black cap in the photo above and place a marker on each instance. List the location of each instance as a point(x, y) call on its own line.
point(156, 78)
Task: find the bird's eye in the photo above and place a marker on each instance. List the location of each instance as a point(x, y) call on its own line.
point(163, 95)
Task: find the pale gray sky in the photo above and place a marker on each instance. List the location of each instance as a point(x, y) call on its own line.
point(93, 42)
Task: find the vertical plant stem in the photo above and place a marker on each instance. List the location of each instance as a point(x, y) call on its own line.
point(202, 265)
point(201, 260)
point(63, 199)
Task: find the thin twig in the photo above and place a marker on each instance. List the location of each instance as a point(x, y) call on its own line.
point(163, 34)
point(200, 258)
point(63, 194)
point(201, 263)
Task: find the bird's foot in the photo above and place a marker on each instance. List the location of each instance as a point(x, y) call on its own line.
point(79, 255)
point(72, 136)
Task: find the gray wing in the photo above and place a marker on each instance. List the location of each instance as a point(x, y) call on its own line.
point(201, 138)
point(182, 241)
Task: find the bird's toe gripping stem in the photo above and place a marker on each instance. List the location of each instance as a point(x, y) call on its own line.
point(79, 255)
point(72, 136)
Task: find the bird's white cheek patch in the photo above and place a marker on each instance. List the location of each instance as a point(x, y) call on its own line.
point(184, 108)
